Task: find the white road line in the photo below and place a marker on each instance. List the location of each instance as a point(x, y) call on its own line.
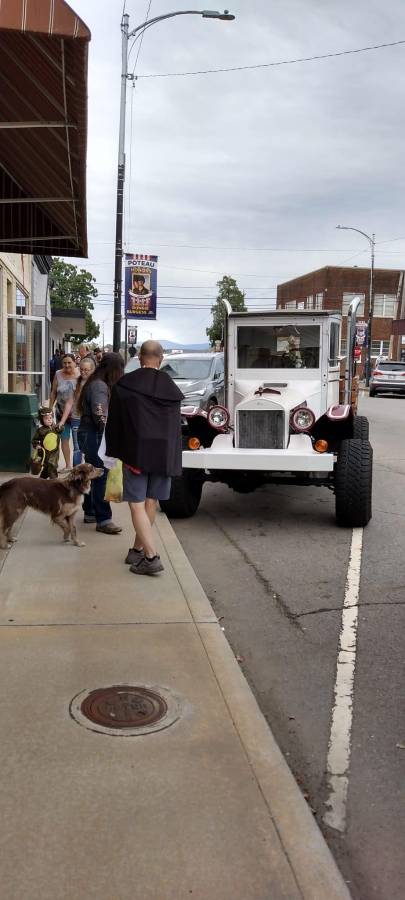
point(338, 760)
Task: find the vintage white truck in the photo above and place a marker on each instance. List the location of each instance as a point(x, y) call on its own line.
point(283, 420)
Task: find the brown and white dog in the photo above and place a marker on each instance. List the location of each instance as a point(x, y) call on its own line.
point(58, 498)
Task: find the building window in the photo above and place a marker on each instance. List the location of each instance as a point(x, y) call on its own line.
point(380, 348)
point(291, 304)
point(347, 299)
point(343, 347)
point(319, 300)
point(310, 301)
point(385, 305)
point(20, 302)
point(301, 304)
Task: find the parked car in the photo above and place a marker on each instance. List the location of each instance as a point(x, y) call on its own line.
point(200, 376)
point(132, 364)
point(283, 420)
point(388, 378)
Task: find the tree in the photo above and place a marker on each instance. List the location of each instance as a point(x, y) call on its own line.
point(73, 288)
point(228, 290)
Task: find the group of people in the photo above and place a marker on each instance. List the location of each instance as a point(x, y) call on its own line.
point(140, 415)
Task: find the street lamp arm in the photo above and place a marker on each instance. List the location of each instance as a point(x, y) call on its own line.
point(350, 228)
point(207, 14)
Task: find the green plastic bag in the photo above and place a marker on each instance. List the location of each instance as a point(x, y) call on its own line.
point(113, 488)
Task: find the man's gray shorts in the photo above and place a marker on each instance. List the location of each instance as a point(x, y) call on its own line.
point(136, 488)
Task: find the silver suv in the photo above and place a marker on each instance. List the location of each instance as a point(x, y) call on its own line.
point(388, 378)
point(200, 376)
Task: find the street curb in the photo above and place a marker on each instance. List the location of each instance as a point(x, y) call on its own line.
point(314, 867)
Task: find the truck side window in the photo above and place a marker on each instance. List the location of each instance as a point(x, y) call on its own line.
point(334, 343)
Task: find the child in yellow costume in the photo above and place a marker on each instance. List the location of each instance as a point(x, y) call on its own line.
point(46, 441)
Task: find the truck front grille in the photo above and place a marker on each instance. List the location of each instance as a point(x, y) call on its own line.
point(261, 429)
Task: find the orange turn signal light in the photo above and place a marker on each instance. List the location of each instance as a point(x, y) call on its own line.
point(194, 443)
point(321, 446)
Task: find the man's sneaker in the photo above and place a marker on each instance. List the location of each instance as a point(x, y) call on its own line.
point(109, 528)
point(147, 566)
point(134, 556)
point(89, 520)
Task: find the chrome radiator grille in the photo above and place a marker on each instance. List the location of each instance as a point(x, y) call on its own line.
point(261, 429)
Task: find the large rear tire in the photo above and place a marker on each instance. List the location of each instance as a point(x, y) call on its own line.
point(184, 497)
point(361, 428)
point(353, 483)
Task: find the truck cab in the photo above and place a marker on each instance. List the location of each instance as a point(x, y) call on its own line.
point(283, 419)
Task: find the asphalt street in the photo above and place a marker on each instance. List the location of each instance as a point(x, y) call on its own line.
point(274, 565)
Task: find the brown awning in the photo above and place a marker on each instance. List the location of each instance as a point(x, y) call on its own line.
point(43, 128)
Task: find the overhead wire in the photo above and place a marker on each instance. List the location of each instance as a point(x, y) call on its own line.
point(281, 62)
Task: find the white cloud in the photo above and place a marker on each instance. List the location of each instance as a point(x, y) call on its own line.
point(265, 158)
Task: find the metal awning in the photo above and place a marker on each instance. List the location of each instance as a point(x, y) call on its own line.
point(69, 321)
point(43, 128)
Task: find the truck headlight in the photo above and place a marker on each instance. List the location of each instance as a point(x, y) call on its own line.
point(302, 419)
point(195, 393)
point(218, 416)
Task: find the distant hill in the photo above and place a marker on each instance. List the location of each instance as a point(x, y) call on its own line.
point(171, 345)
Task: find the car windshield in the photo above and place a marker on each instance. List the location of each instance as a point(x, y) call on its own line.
point(391, 367)
point(278, 347)
point(187, 369)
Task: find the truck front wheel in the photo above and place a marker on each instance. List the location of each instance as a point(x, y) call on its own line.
point(353, 483)
point(184, 497)
point(361, 428)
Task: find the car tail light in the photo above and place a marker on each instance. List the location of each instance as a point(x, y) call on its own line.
point(302, 419)
point(218, 417)
point(377, 372)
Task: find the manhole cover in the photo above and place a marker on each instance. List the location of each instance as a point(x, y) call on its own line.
point(123, 706)
point(127, 710)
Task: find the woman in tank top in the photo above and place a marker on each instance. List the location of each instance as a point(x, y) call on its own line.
point(62, 393)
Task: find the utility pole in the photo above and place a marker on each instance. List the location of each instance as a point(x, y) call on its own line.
point(370, 312)
point(120, 189)
point(126, 34)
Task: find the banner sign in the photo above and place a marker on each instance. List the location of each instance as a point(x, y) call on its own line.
point(140, 286)
point(361, 334)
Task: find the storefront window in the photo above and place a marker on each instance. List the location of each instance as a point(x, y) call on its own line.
point(20, 302)
point(24, 356)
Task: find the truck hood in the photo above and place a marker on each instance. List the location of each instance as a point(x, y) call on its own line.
point(287, 397)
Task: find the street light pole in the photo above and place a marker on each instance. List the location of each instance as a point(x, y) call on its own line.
point(120, 189)
point(126, 34)
point(371, 241)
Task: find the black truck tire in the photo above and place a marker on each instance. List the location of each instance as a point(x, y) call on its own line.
point(361, 428)
point(184, 497)
point(353, 483)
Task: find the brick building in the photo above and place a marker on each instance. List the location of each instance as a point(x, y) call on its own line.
point(333, 288)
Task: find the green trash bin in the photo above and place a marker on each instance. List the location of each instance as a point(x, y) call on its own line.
point(18, 415)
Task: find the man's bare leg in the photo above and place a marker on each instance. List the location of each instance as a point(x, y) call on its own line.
point(143, 516)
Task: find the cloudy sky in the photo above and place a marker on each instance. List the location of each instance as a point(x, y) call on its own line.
point(245, 173)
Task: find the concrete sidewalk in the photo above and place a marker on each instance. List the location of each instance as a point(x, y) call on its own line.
point(205, 807)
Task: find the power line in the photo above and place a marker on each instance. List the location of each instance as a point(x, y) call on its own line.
point(282, 62)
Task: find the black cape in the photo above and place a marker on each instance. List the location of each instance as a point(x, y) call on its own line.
point(143, 427)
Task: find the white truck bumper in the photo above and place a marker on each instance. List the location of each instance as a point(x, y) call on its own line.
point(298, 457)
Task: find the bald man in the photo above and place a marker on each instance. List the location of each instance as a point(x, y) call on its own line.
point(144, 431)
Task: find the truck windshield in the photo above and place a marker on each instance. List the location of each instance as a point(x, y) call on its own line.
point(278, 347)
point(187, 369)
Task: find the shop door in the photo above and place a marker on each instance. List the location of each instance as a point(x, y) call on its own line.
point(26, 355)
